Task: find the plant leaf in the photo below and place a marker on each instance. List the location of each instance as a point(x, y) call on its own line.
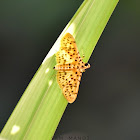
point(42, 105)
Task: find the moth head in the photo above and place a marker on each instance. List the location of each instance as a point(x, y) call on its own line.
point(87, 65)
point(84, 67)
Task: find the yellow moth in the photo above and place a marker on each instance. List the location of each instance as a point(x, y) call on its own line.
point(70, 67)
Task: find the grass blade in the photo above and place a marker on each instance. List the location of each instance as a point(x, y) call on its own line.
point(42, 105)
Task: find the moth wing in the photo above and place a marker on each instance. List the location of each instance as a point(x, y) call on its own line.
point(68, 51)
point(69, 82)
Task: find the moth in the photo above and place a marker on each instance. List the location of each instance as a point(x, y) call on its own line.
point(70, 67)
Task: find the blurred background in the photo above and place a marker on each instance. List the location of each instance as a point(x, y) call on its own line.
point(108, 105)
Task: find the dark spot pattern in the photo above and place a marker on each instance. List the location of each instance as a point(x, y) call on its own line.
point(70, 67)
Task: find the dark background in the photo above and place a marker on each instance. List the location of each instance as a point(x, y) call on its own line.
point(108, 105)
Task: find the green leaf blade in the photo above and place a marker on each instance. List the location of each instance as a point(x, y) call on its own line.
point(42, 105)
